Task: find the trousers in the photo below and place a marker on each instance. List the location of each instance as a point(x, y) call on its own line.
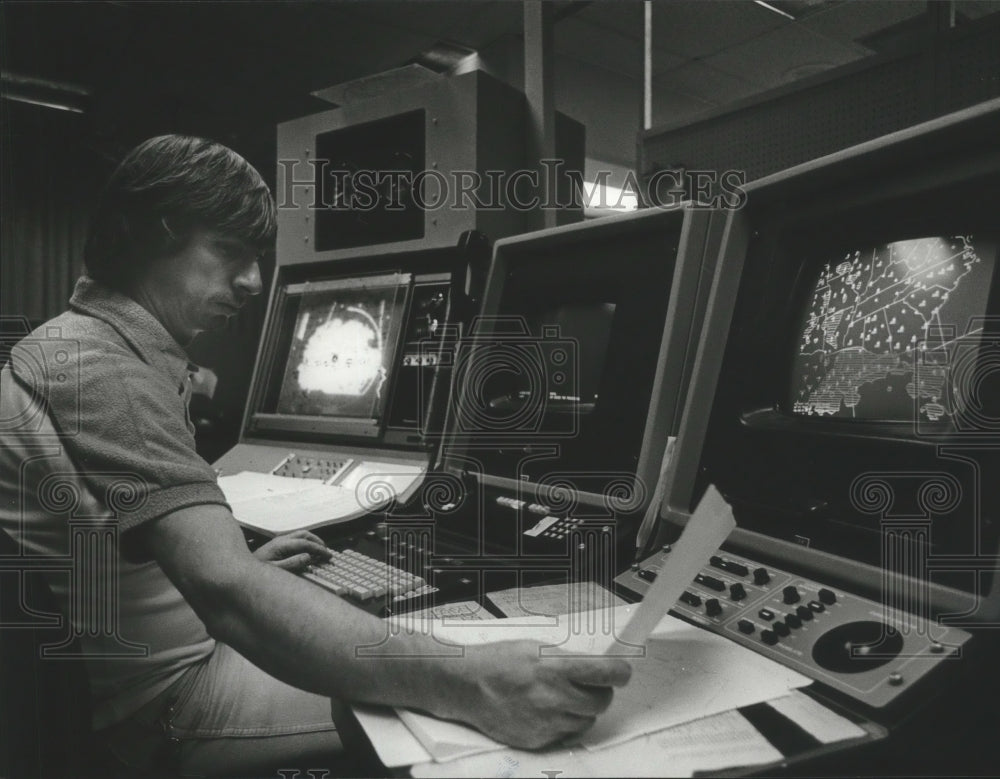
point(225, 716)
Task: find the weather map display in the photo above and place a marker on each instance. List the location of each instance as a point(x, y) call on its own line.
point(874, 312)
point(342, 349)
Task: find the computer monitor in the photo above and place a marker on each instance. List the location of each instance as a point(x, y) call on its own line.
point(351, 350)
point(341, 338)
point(846, 394)
point(572, 378)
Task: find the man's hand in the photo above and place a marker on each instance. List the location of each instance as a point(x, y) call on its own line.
point(530, 701)
point(294, 551)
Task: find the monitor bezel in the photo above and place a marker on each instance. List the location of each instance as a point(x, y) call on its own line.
point(274, 423)
point(698, 231)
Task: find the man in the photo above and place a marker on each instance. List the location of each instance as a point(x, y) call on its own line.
point(241, 657)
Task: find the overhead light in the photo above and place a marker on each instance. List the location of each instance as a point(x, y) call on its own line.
point(59, 95)
point(774, 9)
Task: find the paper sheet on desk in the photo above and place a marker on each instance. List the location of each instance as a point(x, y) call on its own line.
point(552, 599)
point(250, 485)
point(710, 744)
point(687, 673)
point(369, 476)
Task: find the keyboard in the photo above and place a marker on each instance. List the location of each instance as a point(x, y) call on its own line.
point(351, 573)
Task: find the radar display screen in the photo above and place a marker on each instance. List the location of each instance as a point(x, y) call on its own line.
point(885, 325)
point(341, 353)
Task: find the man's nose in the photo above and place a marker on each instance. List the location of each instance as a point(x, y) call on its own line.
point(249, 279)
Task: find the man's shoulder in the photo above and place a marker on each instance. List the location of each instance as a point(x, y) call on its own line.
point(75, 328)
point(74, 350)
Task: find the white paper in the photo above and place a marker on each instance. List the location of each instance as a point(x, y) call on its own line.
point(395, 745)
point(312, 506)
point(710, 744)
point(684, 676)
point(552, 599)
point(687, 673)
point(460, 611)
point(709, 526)
point(817, 720)
point(250, 485)
point(370, 477)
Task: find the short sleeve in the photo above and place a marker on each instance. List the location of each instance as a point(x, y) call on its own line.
point(124, 426)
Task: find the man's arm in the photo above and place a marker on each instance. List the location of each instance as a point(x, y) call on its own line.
point(307, 637)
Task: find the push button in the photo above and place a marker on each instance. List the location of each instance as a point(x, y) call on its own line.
point(711, 582)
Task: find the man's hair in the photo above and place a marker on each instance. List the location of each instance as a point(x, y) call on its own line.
point(164, 190)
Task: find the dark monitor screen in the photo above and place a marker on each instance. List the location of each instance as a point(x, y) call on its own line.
point(881, 324)
point(560, 383)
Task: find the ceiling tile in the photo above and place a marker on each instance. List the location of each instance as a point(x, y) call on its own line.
point(784, 55)
point(696, 28)
point(606, 48)
point(702, 81)
point(625, 17)
point(851, 21)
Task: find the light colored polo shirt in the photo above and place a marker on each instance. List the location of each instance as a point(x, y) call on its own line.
point(96, 440)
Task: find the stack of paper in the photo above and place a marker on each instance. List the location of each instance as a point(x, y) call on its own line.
point(277, 504)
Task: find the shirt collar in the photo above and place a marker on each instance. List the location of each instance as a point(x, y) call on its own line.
point(140, 329)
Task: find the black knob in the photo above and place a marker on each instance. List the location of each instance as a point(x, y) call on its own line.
point(761, 576)
point(737, 592)
point(793, 621)
point(745, 626)
point(805, 613)
point(781, 629)
point(712, 607)
point(827, 596)
point(790, 594)
point(769, 637)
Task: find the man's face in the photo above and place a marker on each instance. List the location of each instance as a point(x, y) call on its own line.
point(201, 286)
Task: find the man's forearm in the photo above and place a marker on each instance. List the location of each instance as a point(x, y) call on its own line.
point(312, 639)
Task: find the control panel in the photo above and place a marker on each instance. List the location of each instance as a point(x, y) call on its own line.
point(322, 466)
point(850, 643)
point(428, 318)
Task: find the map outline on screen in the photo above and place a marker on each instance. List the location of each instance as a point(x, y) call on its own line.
point(872, 313)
